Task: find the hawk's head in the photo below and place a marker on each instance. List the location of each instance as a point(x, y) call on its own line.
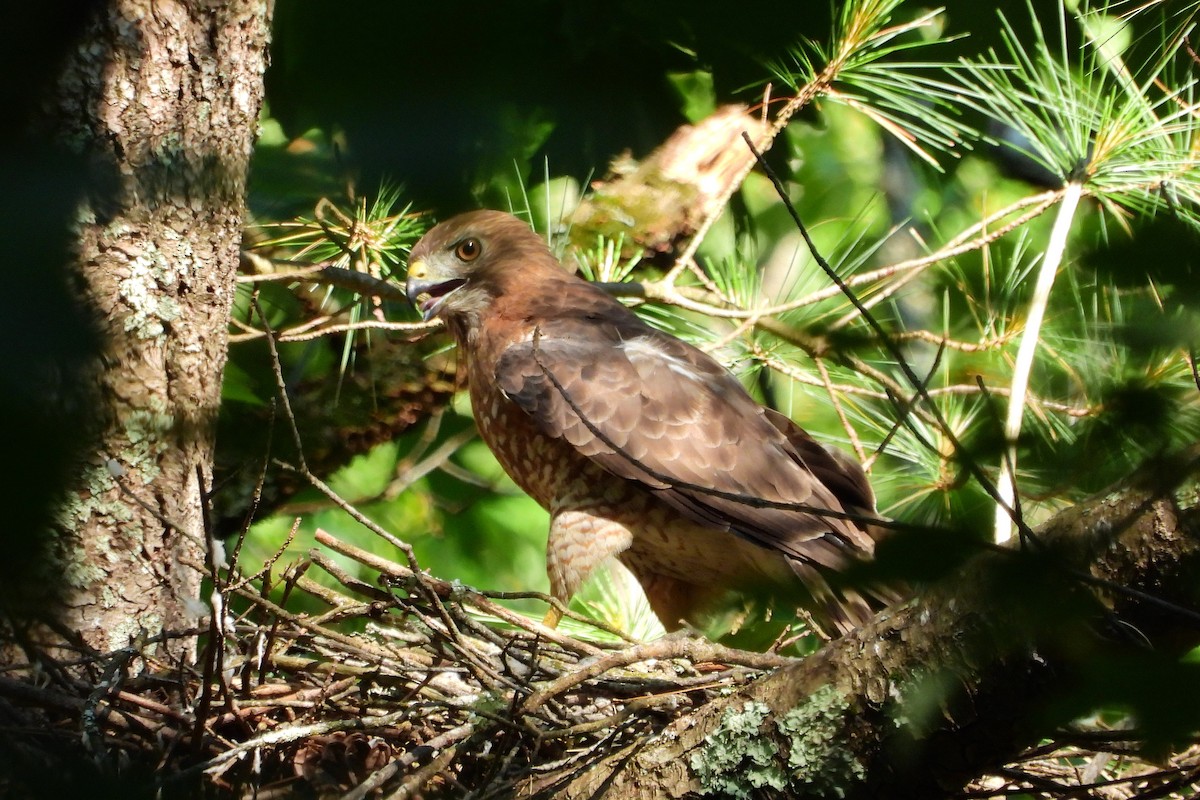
point(462, 265)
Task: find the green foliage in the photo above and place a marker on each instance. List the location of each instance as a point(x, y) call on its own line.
point(1126, 132)
point(696, 91)
point(906, 98)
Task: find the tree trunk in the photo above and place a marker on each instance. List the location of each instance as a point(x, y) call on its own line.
point(161, 98)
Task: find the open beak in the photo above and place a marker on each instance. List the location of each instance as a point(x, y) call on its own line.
point(428, 295)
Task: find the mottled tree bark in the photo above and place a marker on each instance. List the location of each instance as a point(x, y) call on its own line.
point(934, 693)
point(161, 97)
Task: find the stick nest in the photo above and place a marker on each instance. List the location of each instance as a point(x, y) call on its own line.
point(409, 687)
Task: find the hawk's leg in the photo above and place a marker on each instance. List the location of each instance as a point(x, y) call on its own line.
point(580, 540)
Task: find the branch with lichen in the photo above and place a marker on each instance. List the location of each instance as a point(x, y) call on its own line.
point(943, 689)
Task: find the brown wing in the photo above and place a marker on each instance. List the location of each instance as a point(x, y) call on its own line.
point(839, 472)
point(650, 408)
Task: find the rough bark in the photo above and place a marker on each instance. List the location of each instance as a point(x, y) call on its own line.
point(987, 661)
point(162, 100)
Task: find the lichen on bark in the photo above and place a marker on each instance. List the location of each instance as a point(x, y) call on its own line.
point(161, 100)
point(802, 750)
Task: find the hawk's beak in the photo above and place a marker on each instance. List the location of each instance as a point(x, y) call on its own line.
point(425, 294)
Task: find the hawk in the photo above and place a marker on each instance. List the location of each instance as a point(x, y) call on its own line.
point(639, 445)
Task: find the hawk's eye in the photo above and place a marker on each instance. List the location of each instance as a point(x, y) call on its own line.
point(468, 249)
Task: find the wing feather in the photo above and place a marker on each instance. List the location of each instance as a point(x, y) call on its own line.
point(650, 408)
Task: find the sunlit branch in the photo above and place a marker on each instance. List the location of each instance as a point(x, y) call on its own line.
point(961, 389)
point(835, 399)
point(1051, 260)
point(969, 240)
